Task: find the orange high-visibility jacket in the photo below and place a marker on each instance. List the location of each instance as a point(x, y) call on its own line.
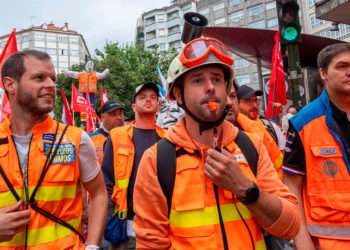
point(88, 82)
point(258, 128)
point(326, 194)
point(193, 222)
point(123, 157)
point(99, 138)
point(58, 194)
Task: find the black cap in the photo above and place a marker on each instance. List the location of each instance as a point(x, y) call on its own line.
point(147, 85)
point(245, 92)
point(110, 106)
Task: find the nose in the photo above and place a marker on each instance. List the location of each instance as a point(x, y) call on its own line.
point(49, 83)
point(210, 86)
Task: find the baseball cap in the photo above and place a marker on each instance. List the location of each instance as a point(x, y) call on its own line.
point(245, 92)
point(110, 106)
point(147, 85)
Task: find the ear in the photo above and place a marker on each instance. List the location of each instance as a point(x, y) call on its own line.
point(177, 94)
point(9, 85)
point(323, 74)
point(133, 107)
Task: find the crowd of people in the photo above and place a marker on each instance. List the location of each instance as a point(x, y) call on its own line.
point(223, 177)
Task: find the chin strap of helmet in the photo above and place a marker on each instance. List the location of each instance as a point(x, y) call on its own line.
point(203, 125)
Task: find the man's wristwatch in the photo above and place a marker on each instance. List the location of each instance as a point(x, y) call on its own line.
point(251, 195)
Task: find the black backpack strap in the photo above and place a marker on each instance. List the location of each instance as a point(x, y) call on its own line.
point(166, 168)
point(249, 151)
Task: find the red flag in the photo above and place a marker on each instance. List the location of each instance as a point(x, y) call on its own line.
point(103, 97)
point(277, 88)
point(78, 101)
point(9, 49)
point(66, 111)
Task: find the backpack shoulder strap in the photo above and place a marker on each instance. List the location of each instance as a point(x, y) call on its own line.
point(166, 168)
point(249, 151)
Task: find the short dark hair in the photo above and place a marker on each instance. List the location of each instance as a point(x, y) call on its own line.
point(14, 65)
point(329, 52)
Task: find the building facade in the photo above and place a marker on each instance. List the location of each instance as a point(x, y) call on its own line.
point(65, 47)
point(334, 10)
point(162, 27)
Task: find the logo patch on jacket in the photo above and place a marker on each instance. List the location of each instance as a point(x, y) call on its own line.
point(48, 137)
point(66, 153)
point(328, 151)
point(330, 168)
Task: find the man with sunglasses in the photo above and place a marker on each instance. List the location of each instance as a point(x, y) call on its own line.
point(217, 202)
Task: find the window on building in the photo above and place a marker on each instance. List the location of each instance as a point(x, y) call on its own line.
point(235, 2)
point(256, 10)
point(218, 6)
point(315, 22)
point(270, 6)
point(241, 63)
point(175, 45)
point(161, 32)
point(150, 35)
point(220, 21)
point(204, 12)
point(172, 15)
point(74, 52)
point(173, 30)
point(74, 40)
point(257, 25)
point(38, 36)
point(150, 20)
point(51, 38)
point(162, 46)
point(25, 38)
point(242, 79)
point(62, 39)
point(160, 18)
point(236, 17)
point(64, 52)
point(51, 51)
point(272, 23)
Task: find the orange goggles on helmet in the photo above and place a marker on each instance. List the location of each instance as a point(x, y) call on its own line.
point(197, 52)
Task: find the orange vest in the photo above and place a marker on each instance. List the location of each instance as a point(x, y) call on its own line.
point(123, 157)
point(326, 194)
point(87, 82)
point(193, 219)
point(257, 127)
point(58, 194)
point(99, 139)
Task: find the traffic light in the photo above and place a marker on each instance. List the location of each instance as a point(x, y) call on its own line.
point(288, 16)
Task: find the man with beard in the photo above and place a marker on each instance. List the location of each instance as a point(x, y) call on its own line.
point(317, 159)
point(123, 152)
point(217, 202)
point(248, 120)
point(43, 162)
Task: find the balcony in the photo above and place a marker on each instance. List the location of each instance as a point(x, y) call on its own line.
point(333, 10)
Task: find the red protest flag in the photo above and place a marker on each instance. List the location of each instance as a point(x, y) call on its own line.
point(78, 101)
point(103, 97)
point(277, 84)
point(90, 124)
point(9, 49)
point(66, 110)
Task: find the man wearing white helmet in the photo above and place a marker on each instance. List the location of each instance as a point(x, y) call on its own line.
point(210, 198)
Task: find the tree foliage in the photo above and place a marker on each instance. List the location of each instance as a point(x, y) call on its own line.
point(129, 66)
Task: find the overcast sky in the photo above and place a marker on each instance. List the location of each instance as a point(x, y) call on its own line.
point(97, 20)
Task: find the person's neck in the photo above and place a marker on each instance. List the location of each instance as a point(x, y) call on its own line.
point(341, 102)
point(145, 121)
point(206, 137)
point(22, 122)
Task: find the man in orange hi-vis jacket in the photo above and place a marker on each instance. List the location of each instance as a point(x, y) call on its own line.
point(217, 201)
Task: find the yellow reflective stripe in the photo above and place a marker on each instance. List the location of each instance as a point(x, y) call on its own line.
point(45, 193)
point(260, 245)
point(7, 198)
point(278, 162)
point(55, 193)
point(208, 216)
point(341, 232)
point(123, 183)
point(42, 235)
